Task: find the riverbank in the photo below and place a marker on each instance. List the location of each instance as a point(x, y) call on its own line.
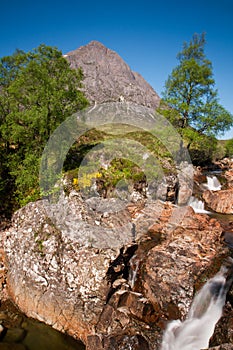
point(22, 333)
point(113, 280)
point(18, 332)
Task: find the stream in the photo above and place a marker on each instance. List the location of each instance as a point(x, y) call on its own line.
point(22, 333)
point(196, 330)
point(212, 184)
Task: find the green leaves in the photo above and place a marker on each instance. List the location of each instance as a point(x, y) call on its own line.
point(190, 91)
point(229, 148)
point(38, 91)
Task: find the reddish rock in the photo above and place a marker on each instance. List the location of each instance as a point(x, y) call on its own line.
point(220, 201)
point(222, 347)
point(229, 177)
point(117, 342)
point(110, 296)
point(191, 246)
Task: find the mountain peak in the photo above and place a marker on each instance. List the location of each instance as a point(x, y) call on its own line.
point(97, 44)
point(108, 78)
point(94, 44)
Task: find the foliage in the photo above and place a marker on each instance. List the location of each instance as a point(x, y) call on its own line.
point(122, 174)
point(201, 147)
point(189, 90)
point(170, 114)
point(82, 146)
point(114, 172)
point(229, 148)
point(38, 91)
point(86, 181)
point(219, 152)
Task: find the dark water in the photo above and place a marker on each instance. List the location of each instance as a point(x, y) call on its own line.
point(34, 335)
point(226, 220)
point(213, 172)
point(40, 336)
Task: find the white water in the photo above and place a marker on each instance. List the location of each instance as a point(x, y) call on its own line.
point(197, 205)
point(194, 333)
point(134, 265)
point(213, 183)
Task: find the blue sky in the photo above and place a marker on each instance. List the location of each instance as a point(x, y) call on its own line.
point(146, 34)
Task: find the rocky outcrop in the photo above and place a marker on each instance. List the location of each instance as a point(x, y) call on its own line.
point(220, 201)
point(229, 177)
point(108, 278)
point(226, 165)
point(223, 347)
point(108, 78)
point(224, 329)
point(3, 271)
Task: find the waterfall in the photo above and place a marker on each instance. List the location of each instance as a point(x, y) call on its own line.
point(213, 183)
point(194, 333)
point(134, 265)
point(197, 205)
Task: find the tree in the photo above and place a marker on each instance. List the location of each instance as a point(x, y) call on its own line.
point(38, 91)
point(229, 148)
point(201, 147)
point(190, 91)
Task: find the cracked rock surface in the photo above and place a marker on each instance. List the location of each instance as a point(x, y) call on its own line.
point(112, 280)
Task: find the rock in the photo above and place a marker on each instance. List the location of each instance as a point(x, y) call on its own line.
point(228, 238)
point(229, 177)
point(224, 328)
point(137, 342)
point(222, 347)
point(3, 273)
point(138, 306)
point(102, 283)
point(184, 193)
point(108, 78)
point(189, 247)
point(167, 189)
point(219, 201)
point(57, 270)
point(185, 184)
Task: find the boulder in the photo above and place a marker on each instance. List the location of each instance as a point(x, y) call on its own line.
point(228, 174)
point(222, 347)
point(110, 278)
point(219, 201)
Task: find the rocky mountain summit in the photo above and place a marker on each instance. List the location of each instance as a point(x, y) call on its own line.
point(108, 78)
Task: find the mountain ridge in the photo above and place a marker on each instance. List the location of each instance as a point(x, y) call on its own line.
point(107, 77)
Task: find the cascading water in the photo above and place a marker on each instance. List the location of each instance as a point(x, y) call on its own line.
point(197, 205)
point(213, 183)
point(134, 266)
point(194, 333)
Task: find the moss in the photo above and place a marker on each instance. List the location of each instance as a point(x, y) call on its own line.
point(82, 167)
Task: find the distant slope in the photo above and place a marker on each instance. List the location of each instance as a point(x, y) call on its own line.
point(108, 78)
